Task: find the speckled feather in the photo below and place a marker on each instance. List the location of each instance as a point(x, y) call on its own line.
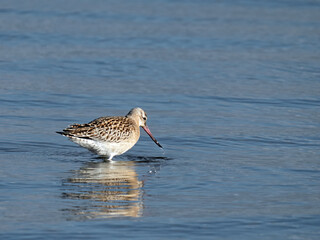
point(109, 129)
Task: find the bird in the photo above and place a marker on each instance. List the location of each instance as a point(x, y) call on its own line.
point(110, 136)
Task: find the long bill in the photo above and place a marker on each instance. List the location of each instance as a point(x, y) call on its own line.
point(150, 135)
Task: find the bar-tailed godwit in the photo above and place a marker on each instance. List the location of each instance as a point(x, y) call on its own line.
point(110, 136)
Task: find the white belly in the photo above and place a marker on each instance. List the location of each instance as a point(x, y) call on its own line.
point(108, 149)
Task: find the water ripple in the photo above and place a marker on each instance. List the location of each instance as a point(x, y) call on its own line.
point(295, 103)
point(205, 142)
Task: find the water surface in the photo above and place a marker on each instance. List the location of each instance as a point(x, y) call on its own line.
point(232, 93)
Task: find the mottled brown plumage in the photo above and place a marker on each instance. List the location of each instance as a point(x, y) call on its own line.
point(110, 136)
point(112, 129)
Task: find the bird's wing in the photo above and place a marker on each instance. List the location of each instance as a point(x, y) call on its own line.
point(113, 129)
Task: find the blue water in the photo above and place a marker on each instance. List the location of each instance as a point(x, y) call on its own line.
point(232, 92)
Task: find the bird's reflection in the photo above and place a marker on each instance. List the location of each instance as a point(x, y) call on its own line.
point(112, 188)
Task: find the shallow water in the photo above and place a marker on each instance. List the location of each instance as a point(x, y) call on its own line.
point(232, 93)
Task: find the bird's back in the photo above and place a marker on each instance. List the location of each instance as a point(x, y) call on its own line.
point(107, 129)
